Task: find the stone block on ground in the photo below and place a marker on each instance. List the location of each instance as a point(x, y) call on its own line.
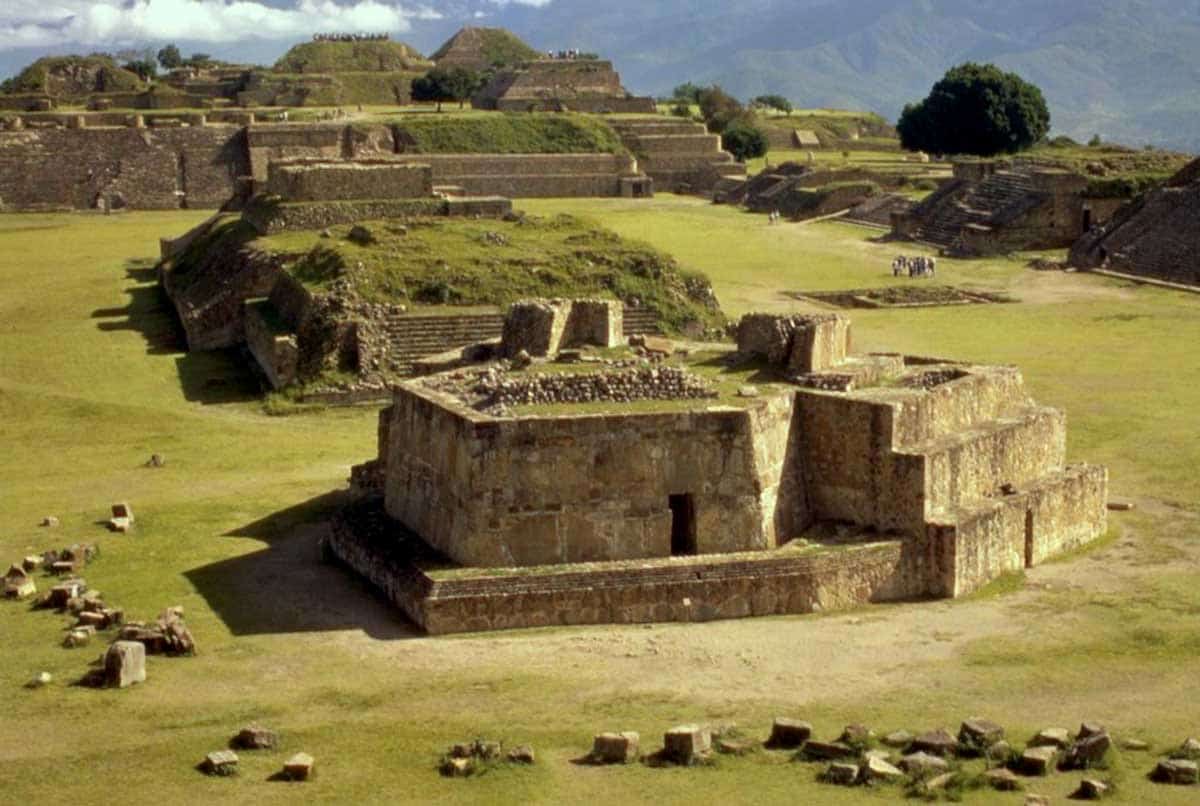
point(788, 734)
point(1002, 779)
point(124, 664)
point(1087, 752)
point(856, 735)
point(521, 754)
point(615, 748)
point(1135, 745)
point(937, 742)
point(978, 734)
point(842, 773)
point(20, 588)
point(1177, 771)
point(1088, 729)
point(898, 739)
point(40, 680)
point(1051, 737)
point(220, 762)
point(875, 769)
point(999, 751)
point(827, 751)
point(1090, 789)
point(1190, 749)
point(1038, 760)
point(31, 563)
point(299, 767)
point(79, 636)
point(1036, 800)
point(455, 767)
point(255, 737)
point(922, 764)
point(686, 744)
point(49, 520)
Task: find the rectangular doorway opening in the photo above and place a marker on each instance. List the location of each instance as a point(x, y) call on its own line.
point(1029, 538)
point(683, 525)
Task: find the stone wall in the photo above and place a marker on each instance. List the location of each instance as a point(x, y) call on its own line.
point(531, 491)
point(801, 344)
point(697, 589)
point(543, 327)
point(645, 383)
point(341, 181)
point(155, 169)
point(274, 349)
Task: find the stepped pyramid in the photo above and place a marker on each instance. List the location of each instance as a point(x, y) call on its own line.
point(1156, 235)
point(680, 155)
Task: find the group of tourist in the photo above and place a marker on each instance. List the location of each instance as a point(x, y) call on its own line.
point(573, 53)
point(920, 266)
point(351, 37)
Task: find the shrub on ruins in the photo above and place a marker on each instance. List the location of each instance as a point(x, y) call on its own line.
point(446, 85)
point(976, 109)
point(170, 57)
point(687, 93)
point(775, 102)
point(143, 68)
point(744, 140)
point(719, 108)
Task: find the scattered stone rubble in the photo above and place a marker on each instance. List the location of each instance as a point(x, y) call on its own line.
point(167, 635)
point(466, 758)
point(646, 383)
point(122, 518)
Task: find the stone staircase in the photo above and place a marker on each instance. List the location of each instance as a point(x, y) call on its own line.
point(999, 198)
point(414, 336)
point(679, 155)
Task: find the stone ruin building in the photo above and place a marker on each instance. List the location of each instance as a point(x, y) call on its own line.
point(558, 85)
point(851, 479)
point(797, 191)
point(989, 209)
point(1157, 235)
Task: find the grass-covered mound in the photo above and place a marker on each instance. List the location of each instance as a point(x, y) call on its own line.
point(834, 126)
point(511, 134)
point(484, 47)
point(73, 77)
point(460, 262)
point(349, 57)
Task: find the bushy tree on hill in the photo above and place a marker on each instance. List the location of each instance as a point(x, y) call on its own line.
point(688, 93)
point(776, 102)
point(976, 109)
point(144, 68)
point(744, 140)
point(719, 108)
point(170, 57)
point(446, 85)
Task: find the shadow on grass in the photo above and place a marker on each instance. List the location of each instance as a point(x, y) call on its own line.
point(287, 588)
point(210, 376)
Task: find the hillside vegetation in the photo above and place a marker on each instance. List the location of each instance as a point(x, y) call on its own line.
point(511, 134)
point(437, 261)
point(74, 76)
point(349, 57)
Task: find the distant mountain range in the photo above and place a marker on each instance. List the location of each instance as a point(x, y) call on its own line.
point(1128, 70)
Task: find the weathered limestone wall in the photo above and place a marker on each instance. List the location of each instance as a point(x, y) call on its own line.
point(851, 472)
point(802, 344)
point(532, 491)
point(150, 169)
point(1060, 512)
point(341, 181)
point(948, 408)
point(284, 141)
point(651, 591)
point(275, 351)
point(545, 326)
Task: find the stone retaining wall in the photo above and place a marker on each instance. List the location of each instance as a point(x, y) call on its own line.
point(342, 181)
point(653, 591)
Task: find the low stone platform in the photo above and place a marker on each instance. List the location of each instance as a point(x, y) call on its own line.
point(441, 597)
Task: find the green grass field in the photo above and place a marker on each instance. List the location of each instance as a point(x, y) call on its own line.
point(93, 380)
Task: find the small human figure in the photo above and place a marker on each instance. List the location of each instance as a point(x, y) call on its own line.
point(932, 265)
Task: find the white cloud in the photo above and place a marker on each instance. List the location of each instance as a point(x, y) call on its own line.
point(25, 23)
point(534, 3)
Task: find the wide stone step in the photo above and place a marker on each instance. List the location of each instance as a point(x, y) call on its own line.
point(979, 461)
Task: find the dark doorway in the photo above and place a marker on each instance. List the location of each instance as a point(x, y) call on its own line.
point(1087, 219)
point(1029, 538)
point(683, 524)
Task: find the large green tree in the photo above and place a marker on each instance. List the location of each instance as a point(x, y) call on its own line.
point(170, 57)
point(976, 109)
point(447, 85)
